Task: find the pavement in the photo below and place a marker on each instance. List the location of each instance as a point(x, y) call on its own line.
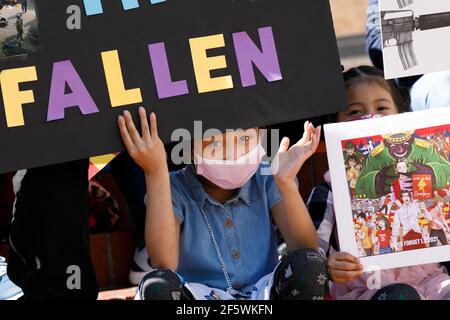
point(8, 34)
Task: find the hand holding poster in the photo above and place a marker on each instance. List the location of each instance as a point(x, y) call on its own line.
point(393, 174)
point(231, 64)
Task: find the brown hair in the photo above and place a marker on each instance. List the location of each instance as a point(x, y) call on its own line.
point(347, 161)
point(386, 222)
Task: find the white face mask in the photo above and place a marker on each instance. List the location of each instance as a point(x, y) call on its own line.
point(230, 174)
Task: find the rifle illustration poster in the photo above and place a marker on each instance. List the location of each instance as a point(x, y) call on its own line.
point(396, 210)
point(231, 64)
point(415, 36)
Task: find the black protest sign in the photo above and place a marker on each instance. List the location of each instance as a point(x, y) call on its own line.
point(231, 64)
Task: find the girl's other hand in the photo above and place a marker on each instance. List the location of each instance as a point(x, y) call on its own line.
point(147, 150)
point(288, 161)
point(343, 267)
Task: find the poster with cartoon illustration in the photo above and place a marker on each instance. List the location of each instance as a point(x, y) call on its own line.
point(393, 177)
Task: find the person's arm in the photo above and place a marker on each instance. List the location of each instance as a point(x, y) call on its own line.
point(440, 219)
point(427, 215)
point(373, 34)
point(445, 222)
point(375, 238)
point(439, 223)
point(395, 229)
point(162, 228)
point(291, 215)
point(362, 233)
point(321, 209)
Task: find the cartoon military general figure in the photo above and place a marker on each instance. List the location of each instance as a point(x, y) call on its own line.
point(380, 169)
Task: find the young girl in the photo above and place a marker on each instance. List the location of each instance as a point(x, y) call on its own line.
point(383, 235)
point(369, 94)
point(209, 227)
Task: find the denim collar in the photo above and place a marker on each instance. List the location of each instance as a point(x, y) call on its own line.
point(200, 195)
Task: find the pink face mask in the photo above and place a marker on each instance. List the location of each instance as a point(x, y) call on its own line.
point(230, 174)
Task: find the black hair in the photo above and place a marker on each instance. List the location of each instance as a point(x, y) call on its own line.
point(371, 75)
point(361, 215)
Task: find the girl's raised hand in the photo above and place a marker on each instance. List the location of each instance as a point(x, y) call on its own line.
point(288, 161)
point(147, 150)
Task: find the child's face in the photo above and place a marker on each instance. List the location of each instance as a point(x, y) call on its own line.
point(228, 146)
point(381, 224)
point(366, 99)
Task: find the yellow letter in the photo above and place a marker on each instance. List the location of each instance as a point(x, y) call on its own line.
point(203, 64)
point(118, 95)
point(13, 98)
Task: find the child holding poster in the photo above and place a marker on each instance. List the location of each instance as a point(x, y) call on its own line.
point(209, 226)
point(370, 95)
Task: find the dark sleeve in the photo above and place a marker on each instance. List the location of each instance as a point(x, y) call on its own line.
point(317, 203)
point(321, 208)
point(373, 34)
point(447, 265)
point(7, 198)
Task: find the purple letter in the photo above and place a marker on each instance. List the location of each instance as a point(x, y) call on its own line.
point(63, 72)
point(164, 85)
point(265, 60)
